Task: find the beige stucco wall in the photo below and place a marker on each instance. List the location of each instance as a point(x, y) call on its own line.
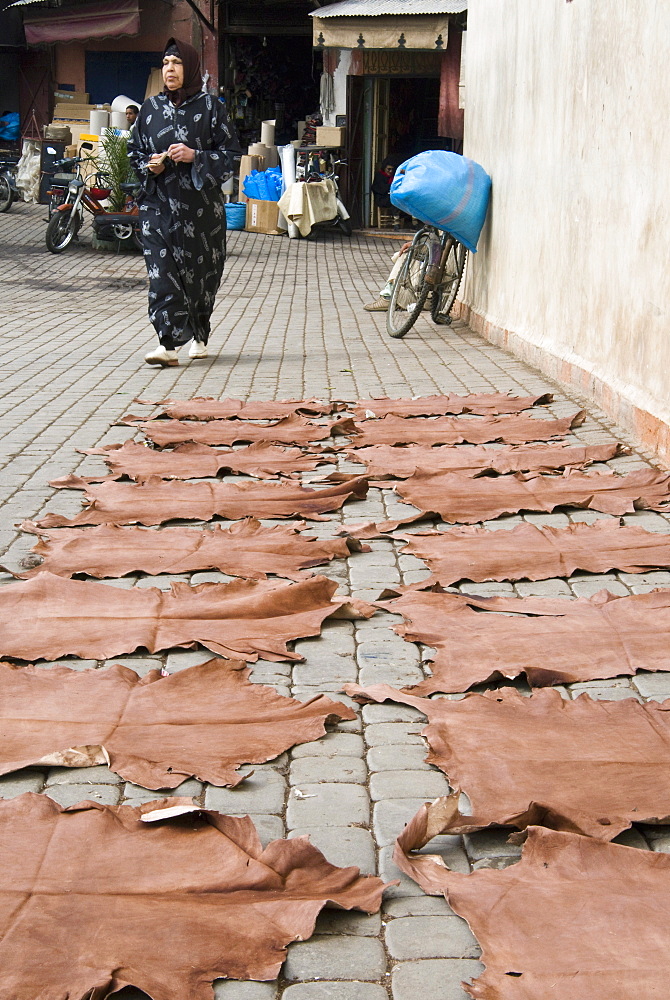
point(566, 107)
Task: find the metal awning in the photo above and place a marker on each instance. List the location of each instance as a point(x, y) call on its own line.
point(100, 20)
point(377, 8)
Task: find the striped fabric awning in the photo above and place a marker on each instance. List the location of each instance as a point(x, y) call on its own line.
point(99, 20)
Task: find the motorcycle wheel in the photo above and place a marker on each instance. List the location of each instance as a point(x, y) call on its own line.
point(345, 225)
point(61, 230)
point(6, 195)
point(123, 231)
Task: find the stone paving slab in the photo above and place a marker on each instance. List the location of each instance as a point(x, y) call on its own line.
point(289, 322)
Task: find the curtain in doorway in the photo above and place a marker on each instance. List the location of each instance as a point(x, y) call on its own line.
point(450, 119)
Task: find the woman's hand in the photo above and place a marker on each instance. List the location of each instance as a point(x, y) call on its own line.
point(156, 164)
point(181, 153)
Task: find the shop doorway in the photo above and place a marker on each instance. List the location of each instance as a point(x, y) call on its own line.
point(390, 117)
point(271, 76)
point(412, 108)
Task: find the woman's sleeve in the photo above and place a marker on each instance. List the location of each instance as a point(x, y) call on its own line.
point(139, 153)
point(213, 166)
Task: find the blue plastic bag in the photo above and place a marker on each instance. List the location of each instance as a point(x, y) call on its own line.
point(10, 126)
point(263, 185)
point(250, 185)
point(445, 190)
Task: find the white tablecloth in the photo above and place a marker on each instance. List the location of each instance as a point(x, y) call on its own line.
point(306, 203)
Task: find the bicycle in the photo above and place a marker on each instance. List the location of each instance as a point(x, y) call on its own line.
point(433, 264)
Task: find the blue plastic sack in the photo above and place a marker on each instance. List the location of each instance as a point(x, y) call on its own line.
point(250, 185)
point(445, 190)
point(10, 126)
point(236, 214)
point(263, 185)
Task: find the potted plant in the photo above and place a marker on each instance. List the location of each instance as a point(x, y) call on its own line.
point(115, 164)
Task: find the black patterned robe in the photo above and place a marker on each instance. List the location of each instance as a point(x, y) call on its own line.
point(182, 212)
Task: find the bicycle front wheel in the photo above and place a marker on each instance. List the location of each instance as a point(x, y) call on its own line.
point(445, 294)
point(410, 290)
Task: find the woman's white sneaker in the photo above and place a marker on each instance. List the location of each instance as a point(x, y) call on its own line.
point(162, 357)
point(197, 349)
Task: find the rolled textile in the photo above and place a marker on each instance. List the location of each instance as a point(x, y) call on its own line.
point(99, 120)
point(268, 132)
point(121, 102)
point(287, 162)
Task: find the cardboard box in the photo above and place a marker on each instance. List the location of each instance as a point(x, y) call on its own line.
point(79, 131)
point(329, 135)
point(247, 164)
point(262, 217)
point(71, 96)
point(154, 82)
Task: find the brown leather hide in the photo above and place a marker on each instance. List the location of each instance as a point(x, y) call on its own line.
point(591, 767)
point(457, 498)
point(202, 722)
point(560, 923)
point(165, 897)
point(207, 408)
point(156, 501)
point(486, 403)
point(456, 430)
point(200, 461)
point(551, 641)
point(48, 617)
point(387, 460)
point(289, 430)
point(246, 548)
point(534, 552)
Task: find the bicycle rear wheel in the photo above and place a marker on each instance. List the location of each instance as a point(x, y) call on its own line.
point(410, 290)
point(6, 196)
point(445, 294)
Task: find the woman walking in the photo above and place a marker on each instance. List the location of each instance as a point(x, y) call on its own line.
point(181, 148)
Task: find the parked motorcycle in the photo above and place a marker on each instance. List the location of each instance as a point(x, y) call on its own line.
point(341, 219)
point(67, 217)
point(57, 191)
point(8, 190)
point(312, 169)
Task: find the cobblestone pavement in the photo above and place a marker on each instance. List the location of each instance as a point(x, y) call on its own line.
point(289, 322)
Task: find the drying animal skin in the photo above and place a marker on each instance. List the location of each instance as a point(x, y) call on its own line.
point(246, 548)
point(199, 461)
point(385, 460)
point(157, 500)
point(591, 767)
point(202, 722)
point(456, 430)
point(534, 552)
point(551, 641)
point(206, 408)
point(484, 403)
point(458, 498)
point(165, 897)
point(575, 918)
point(289, 430)
point(48, 617)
